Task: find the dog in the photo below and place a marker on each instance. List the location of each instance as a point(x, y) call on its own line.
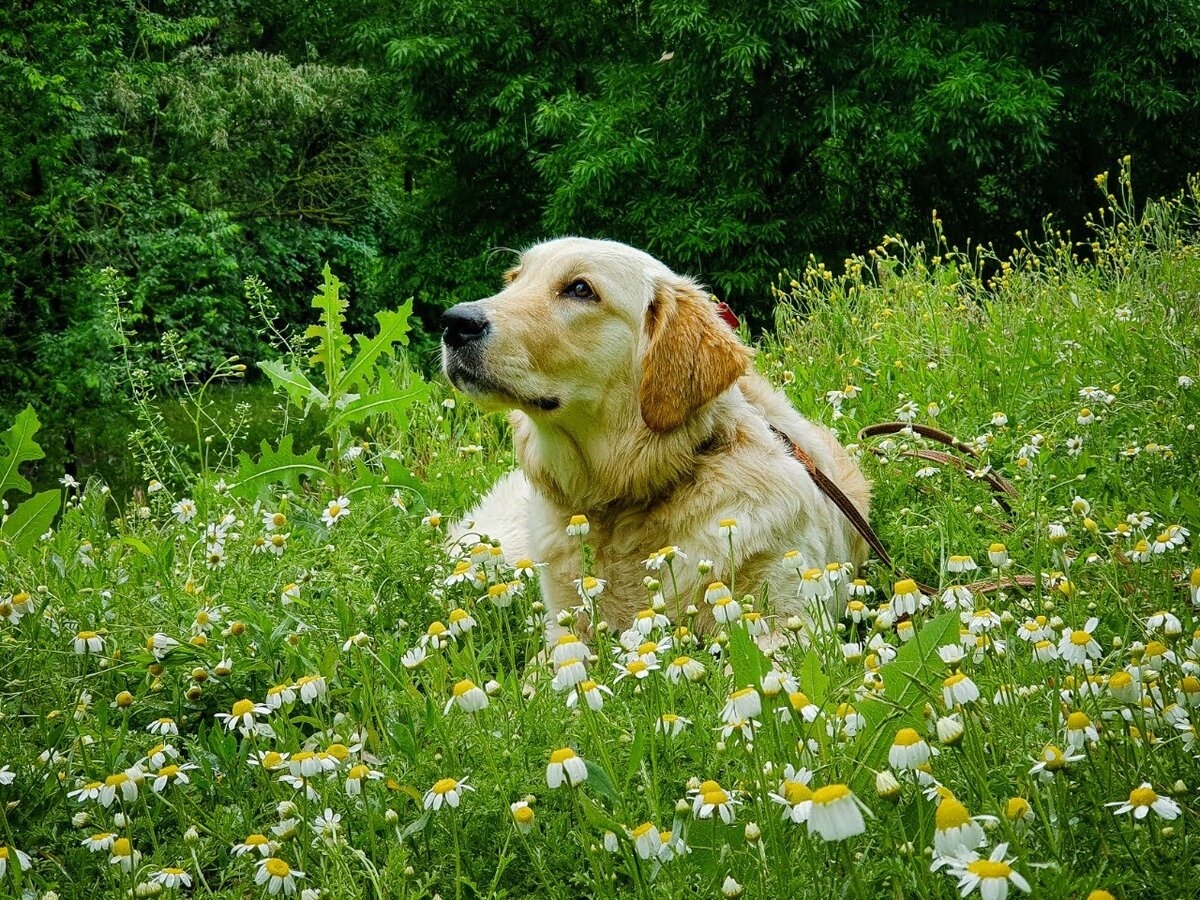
point(634, 404)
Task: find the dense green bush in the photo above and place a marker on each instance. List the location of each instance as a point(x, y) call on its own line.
point(190, 144)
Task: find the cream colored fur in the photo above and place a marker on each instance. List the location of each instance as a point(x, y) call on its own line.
point(645, 487)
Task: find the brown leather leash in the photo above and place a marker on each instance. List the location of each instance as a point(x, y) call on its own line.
point(829, 488)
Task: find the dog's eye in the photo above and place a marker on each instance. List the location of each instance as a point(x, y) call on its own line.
point(579, 290)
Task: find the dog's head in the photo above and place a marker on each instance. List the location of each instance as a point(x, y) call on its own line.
point(583, 323)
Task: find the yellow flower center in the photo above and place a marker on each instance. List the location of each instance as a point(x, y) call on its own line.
point(340, 752)
point(707, 786)
point(716, 797)
point(1080, 638)
point(954, 679)
point(986, 868)
point(271, 759)
point(85, 635)
point(278, 868)
point(242, 707)
point(1053, 758)
point(1142, 796)
point(279, 520)
point(561, 756)
point(523, 815)
point(463, 687)
point(122, 847)
point(172, 870)
point(906, 586)
point(951, 814)
point(168, 771)
point(796, 792)
point(1077, 721)
point(647, 647)
point(642, 830)
point(831, 793)
point(798, 700)
point(256, 840)
point(436, 629)
point(906, 737)
point(116, 780)
point(636, 666)
point(445, 786)
point(578, 520)
point(1017, 808)
point(587, 686)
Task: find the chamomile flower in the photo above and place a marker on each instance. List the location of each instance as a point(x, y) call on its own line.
point(1051, 761)
point(794, 795)
point(242, 715)
point(647, 840)
point(86, 642)
point(744, 703)
point(713, 800)
point(467, 696)
point(170, 774)
point(311, 687)
point(671, 724)
point(909, 750)
point(1142, 800)
point(446, 792)
point(256, 844)
point(123, 855)
point(277, 875)
point(335, 511)
point(172, 877)
point(591, 692)
point(522, 816)
point(990, 876)
point(1078, 647)
point(1080, 731)
point(578, 526)
point(958, 689)
point(184, 510)
point(101, 842)
point(836, 813)
point(684, 667)
point(955, 829)
point(906, 597)
point(565, 766)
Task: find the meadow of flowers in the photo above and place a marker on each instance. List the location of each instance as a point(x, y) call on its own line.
point(300, 690)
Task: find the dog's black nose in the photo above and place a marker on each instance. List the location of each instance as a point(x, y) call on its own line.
point(463, 323)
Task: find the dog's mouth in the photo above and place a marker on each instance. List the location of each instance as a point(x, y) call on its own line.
point(470, 377)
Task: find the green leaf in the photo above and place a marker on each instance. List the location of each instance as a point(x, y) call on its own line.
point(600, 782)
point(748, 662)
point(387, 399)
point(813, 681)
point(333, 341)
point(906, 681)
point(21, 447)
point(280, 466)
point(295, 383)
point(393, 328)
point(31, 520)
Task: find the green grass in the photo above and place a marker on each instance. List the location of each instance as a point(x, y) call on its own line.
point(901, 326)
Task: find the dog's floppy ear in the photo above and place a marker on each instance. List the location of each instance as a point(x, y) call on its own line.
point(691, 355)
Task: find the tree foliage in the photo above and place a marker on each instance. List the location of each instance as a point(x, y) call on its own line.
point(189, 144)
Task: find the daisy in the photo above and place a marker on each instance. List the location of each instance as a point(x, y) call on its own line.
point(568, 674)
point(99, 843)
point(169, 773)
point(712, 800)
point(11, 853)
point(88, 642)
point(742, 704)
point(565, 765)
point(311, 687)
point(684, 667)
point(1078, 647)
point(1051, 761)
point(635, 668)
point(1018, 811)
point(126, 783)
point(522, 815)
point(256, 843)
point(906, 598)
point(1080, 731)
point(466, 696)
point(836, 813)
point(794, 795)
point(277, 542)
point(446, 791)
point(958, 564)
point(172, 877)
point(184, 510)
point(1142, 800)
point(727, 527)
point(89, 791)
point(959, 689)
point(578, 526)
point(242, 715)
point(277, 875)
point(671, 725)
point(1166, 622)
point(647, 840)
point(908, 750)
point(123, 855)
point(955, 828)
point(433, 519)
point(991, 876)
point(591, 692)
point(336, 510)
point(798, 702)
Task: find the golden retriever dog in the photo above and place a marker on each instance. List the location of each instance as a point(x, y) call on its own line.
point(633, 403)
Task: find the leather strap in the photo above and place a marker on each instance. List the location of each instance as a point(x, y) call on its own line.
point(830, 489)
point(849, 510)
